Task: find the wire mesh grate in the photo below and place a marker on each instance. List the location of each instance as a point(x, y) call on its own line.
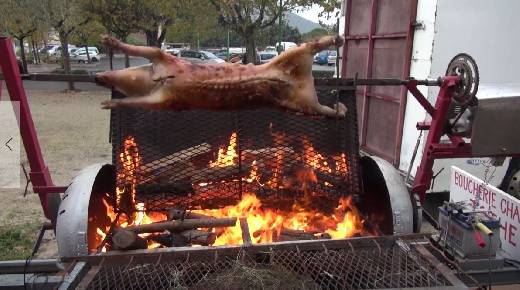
point(366, 266)
point(202, 159)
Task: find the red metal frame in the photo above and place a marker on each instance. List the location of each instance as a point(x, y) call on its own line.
point(39, 174)
point(433, 149)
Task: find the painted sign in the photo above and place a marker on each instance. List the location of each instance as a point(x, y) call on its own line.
point(464, 186)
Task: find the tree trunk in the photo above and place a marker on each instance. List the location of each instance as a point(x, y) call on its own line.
point(88, 54)
point(161, 37)
point(250, 48)
point(123, 37)
point(151, 37)
point(64, 39)
point(22, 55)
point(127, 61)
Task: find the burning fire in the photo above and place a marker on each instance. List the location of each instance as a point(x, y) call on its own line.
point(227, 157)
point(265, 224)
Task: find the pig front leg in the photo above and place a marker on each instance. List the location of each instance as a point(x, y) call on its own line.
point(154, 101)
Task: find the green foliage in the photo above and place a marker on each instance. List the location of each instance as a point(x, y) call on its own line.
point(16, 241)
point(269, 36)
point(88, 34)
point(248, 17)
point(315, 34)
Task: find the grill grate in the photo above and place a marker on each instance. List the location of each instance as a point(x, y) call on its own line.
point(176, 149)
point(366, 265)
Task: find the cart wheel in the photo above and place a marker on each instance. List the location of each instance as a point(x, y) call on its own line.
point(464, 66)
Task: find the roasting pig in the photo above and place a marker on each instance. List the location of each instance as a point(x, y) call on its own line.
point(170, 83)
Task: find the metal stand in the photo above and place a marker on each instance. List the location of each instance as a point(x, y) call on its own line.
point(39, 175)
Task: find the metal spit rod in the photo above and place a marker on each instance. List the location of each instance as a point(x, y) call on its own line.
point(89, 78)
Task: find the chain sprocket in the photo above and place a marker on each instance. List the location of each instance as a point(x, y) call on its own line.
point(464, 66)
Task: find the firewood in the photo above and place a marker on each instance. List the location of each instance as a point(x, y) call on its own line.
point(184, 238)
point(178, 214)
point(220, 173)
point(264, 154)
point(198, 237)
point(296, 235)
point(246, 236)
point(179, 156)
point(187, 224)
point(128, 240)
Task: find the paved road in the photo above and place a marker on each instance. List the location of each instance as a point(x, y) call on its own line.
point(119, 63)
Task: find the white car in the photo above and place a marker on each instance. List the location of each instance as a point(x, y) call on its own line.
point(81, 56)
point(195, 56)
point(267, 56)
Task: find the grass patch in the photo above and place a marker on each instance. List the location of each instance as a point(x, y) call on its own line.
point(16, 241)
point(241, 276)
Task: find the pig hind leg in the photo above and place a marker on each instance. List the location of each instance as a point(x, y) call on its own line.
point(151, 53)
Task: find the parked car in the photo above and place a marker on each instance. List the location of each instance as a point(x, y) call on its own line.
point(332, 57)
point(80, 56)
point(322, 57)
point(199, 56)
point(71, 47)
point(267, 56)
point(91, 49)
point(50, 50)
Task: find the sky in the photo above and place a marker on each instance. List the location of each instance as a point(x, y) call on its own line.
point(312, 15)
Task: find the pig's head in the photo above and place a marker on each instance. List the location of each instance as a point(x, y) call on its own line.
point(133, 82)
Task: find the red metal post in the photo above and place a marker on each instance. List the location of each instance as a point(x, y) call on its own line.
point(424, 173)
point(39, 174)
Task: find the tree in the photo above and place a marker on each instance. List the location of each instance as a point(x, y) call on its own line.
point(247, 17)
point(155, 17)
point(66, 17)
point(119, 17)
point(315, 33)
point(88, 35)
point(269, 36)
point(21, 19)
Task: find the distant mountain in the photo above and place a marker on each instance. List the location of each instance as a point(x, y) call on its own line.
point(303, 25)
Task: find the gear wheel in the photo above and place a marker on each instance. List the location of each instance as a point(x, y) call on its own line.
point(464, 66)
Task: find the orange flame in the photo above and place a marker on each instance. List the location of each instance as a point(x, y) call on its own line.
point(266, 224)
point(227, 157)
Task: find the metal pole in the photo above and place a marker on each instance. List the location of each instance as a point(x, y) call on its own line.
point(228, 43)
point(280, 16)
point(198, 41)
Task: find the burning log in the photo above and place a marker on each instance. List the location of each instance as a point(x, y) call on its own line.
point(266, 155)
point(296, 235)
point(184, 238)
point(128, 240)
point(187, 224)
point(246, 236)
point(220, 173)
point(179, 156)
point(198, 237)
point(179, 214)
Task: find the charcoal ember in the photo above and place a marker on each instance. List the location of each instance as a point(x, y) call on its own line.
point(181, 189)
